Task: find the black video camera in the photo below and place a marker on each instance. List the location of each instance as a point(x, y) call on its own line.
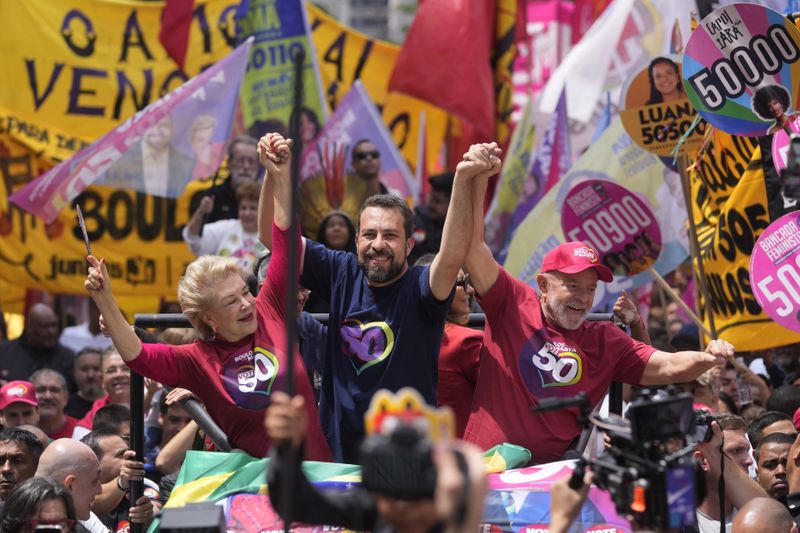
point(399, 464)
point(649, 469)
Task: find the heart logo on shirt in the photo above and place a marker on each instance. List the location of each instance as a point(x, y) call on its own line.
point(366, 344)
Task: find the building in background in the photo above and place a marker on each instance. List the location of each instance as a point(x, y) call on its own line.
point(384, 19)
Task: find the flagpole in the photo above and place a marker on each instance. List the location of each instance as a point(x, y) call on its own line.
point(679, 301)
point(683, 164)
point(292, 260)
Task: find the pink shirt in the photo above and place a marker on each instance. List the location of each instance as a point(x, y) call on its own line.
point(235, 380)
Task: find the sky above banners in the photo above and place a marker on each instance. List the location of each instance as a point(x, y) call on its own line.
point(158, 151)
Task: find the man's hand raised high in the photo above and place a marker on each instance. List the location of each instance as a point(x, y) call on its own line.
point(480, 161)
point(275, 154)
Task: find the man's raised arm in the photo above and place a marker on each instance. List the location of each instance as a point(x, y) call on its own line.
point(480, 264)
point(275, 154)
point(481, 160)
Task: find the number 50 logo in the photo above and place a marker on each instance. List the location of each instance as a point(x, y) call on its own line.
point(563, 369)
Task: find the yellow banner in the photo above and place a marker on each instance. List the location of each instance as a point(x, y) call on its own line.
point(74, 70)
point(729, 205)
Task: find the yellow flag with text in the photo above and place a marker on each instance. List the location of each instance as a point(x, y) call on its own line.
point(73, 70)
point(729, 206)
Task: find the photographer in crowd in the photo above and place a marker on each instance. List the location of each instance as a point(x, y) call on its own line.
point(456, 505)
point(728, 444)
point(724, 455)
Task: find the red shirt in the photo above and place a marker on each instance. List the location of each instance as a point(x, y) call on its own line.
point(459, 357)
point(65, 432)
point(86, 421)
point(526, 358)
point(234, 380)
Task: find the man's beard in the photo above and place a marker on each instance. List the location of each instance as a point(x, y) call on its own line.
point(379, 274)
point(95, 390)
point(564, 317)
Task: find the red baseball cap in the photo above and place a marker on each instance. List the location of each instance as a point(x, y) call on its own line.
point(574, 257)
point(18, 391)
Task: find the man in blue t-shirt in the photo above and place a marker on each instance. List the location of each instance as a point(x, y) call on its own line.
point(386, 318)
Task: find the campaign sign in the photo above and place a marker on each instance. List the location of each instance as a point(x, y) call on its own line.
point(780, 144)
point(775, 271)
point(656, 111)
point(615, 222)
point(741, 69)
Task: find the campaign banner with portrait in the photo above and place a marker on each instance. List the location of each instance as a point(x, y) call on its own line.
point(281, 33)
point(177, 138)
point(656, 111)
point(729, 206)
point(618, 224)
point(741, 69)
point(74, 71)
point(616, 159)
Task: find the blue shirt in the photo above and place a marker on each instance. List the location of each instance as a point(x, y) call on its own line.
point(378, 338)
point(312, 335)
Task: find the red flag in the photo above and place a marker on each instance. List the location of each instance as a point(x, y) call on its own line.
point(174, 34)
point(446, 60)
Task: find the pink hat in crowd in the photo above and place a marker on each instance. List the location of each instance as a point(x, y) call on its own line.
point(796, 419)
point(18, 391)
point(575, 257)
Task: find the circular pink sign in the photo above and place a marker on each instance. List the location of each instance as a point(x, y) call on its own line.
point(780, 144)
point(775, 271)
point(615, 222)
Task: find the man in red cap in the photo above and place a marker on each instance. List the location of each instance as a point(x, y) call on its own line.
point(539, 346)
point(18, 404)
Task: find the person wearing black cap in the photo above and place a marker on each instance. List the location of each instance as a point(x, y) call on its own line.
point(429, 218)
point(539, 346)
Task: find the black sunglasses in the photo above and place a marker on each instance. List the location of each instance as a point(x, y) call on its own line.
point(366, 155)
point(463, 282)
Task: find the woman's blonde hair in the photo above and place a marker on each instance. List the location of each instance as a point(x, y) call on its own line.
point(195, 288)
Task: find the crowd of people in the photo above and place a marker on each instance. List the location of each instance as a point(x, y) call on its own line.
point(399, 285)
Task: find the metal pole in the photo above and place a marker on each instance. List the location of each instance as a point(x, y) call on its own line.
point(137, 437)
point(292, 262)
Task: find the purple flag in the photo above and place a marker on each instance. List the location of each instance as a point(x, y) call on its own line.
point(357, 118)
point(550, 162)
point(179, 137)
